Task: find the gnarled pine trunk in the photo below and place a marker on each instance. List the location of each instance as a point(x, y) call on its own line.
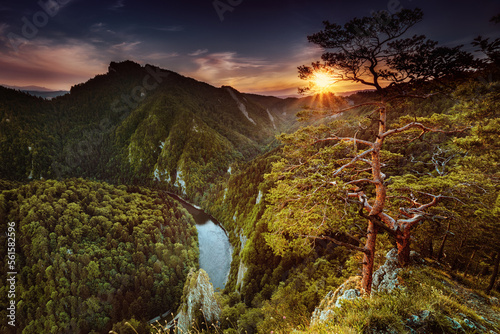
point(369, 257)
point(403, 244)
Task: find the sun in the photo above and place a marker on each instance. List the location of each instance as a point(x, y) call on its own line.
point(322, 82)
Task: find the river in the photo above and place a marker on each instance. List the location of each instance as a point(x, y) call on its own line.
point(215, 249)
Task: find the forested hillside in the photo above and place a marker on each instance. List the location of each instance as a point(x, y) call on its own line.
point(271, 290)
point(103, 261)
point(138, 124)
point(90, 255)
point(142, 125)
point(313, 193)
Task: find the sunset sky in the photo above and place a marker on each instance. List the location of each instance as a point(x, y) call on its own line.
point(252, 45)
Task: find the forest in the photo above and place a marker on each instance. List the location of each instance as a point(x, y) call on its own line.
point(91, 254)
point(312, 200)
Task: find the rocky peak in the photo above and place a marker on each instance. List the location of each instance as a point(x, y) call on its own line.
point(199, 303)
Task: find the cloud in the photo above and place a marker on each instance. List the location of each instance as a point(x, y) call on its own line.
point(246, 74)
point(226, 62)
point(97, 27)
point(117, 5)
point(170, 28)
point(103, 30)
point(125, 47)
point(53, 66)
point(198, 52)
point(159, 56)
point(3, 28)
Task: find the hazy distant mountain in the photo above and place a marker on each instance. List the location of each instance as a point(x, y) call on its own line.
point(47, 95)
point(39, 91)
point(29, 88)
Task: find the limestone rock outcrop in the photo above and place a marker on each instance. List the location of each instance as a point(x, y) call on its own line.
point(385, 278)
point(349, 290)
point(199, 303)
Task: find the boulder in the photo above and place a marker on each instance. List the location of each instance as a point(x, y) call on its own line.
point(349, 290)
point(454, 324)
point(418, 320)
point(350, 294)
point(386, 277)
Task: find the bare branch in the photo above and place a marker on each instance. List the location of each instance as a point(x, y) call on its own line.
point(435, 199)
point(404, 224)
point(418, 214)
point(383, 220)
point(405, 213)
point(351, 163)
point(362, 181)
point(369, 163)
point(411, 200)
point(335, 241)
point(355, 140)
point(420, 126)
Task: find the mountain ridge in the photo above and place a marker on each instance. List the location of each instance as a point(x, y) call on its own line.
point(131, 124)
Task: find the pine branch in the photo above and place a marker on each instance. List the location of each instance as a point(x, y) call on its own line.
point(421, 126)
point(335, 138)
point(335, 241)
point(362, 181)
point(351, 163)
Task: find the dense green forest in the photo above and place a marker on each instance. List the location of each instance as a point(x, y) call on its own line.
point(90, 255)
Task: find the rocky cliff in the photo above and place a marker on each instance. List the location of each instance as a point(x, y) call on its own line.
point(200, 307)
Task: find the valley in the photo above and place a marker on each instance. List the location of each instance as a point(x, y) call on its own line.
point(96, 181)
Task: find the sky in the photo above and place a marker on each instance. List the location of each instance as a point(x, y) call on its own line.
point(254, 46)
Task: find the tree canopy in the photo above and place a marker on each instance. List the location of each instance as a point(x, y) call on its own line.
point(90, 254)
point(333, 176)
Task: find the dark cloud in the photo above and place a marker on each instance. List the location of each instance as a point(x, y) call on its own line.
point(253, 45)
